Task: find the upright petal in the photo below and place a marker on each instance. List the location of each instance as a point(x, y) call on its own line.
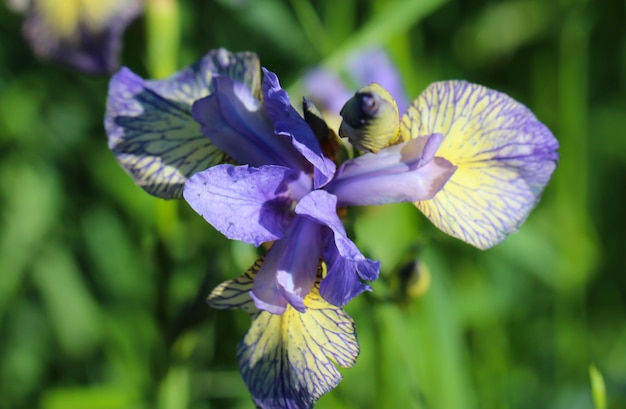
point(287, 122)
point(346, 265)
point(504, 155)
point(286, 360)
point(243, 203)
point(400, 173)
point(86, 35)
point(237, 122)
point(150, 127)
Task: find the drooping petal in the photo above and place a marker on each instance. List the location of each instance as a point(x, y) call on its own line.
point(288, 123)
point(236, 122)
point(86, 35)
point(406, 172)
point(504, 155)
point(346, 265)
point(150, 127)
point(287, 360)
point(290, 267)
point(234, 294)
point(244, 203)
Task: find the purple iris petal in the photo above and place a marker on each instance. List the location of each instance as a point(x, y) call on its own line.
point(346, 264)
point(235, 121)
point(287, 122)
point(288, 272)
point(406, 172)
point(245, 203)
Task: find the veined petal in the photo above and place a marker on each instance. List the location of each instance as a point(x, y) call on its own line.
point(406, 172)
point(347, 266)
point(150, 127)
point(234, 294)
point(236, 122)
point(287, 122)
point(244, 203)
point(287, 360)
point(504, 155)
point(86, 35)
point(290, 267)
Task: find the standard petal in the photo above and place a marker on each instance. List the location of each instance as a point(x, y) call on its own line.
point(243, 203)
point(287, 122)
point(407, 172)
point(150, 127)
point(236, 122)
point(287, 360)
point(86, 35)
point(504, 155)
point(346, 265)
point(326, 88)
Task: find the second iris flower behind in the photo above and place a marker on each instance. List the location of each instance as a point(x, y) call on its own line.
point(291, 192)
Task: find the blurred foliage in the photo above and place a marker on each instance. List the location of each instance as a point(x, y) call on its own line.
point(102, 287)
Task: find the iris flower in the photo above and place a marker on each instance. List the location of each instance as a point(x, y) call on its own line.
point(474, 160)
point(84, 34)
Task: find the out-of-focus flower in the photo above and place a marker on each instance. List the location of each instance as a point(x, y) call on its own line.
point(287, 360)
point(371, 65)
point(84, 34)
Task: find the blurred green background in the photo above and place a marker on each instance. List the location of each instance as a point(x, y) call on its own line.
point(102, 287)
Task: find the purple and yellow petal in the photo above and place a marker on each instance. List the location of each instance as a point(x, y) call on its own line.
point(150, 126)
point(242, 202)
point(504, 155)
point(287, 360)
point(83, 34)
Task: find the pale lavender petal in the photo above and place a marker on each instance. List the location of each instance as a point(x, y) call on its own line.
point(150, 127)
point(373, 65)
point(243, 203)
point(265, 292)
point(346, 265)
point(91, 42)
point(289, 270)
point(287, 122)
point(406, 172)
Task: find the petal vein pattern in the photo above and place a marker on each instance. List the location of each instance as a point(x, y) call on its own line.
point(150, 126)
point(287, 360)
point(504, 155)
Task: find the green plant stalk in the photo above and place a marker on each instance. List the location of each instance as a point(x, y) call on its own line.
point(163, 41)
